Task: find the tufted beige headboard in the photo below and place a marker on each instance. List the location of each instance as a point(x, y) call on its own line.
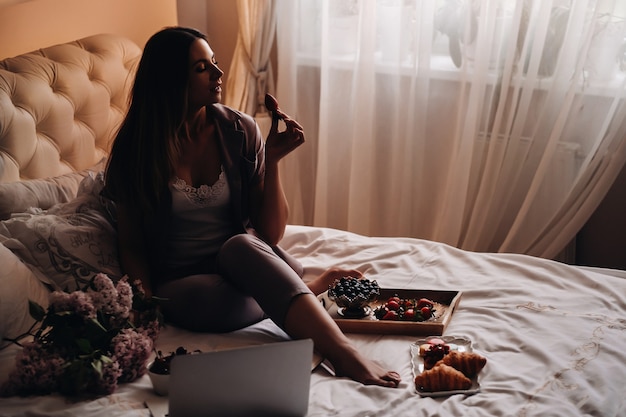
point(60, 106)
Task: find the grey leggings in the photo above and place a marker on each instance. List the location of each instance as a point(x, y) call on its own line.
point(252, 283)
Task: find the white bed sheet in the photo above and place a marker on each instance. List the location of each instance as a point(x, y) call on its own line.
point(554, 335)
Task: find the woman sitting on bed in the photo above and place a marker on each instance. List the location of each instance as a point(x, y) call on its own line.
point(201, 207)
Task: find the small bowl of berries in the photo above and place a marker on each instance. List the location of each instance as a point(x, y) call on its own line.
point(159, 369)
point(353, 295)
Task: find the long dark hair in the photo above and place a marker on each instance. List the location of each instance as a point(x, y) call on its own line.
point(148, 142)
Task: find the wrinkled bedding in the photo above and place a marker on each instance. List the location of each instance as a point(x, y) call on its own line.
point(554, 335)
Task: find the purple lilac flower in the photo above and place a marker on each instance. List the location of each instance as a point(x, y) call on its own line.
point(138, 285)
point(36, 371)
point(82, 304)
point(76, 302)
point(124, 295)
point(50, 364)
point(111, 373)
point(150, 330)
point(59, 301)
point(105, 295)
point(131, 350)
point(120, 310)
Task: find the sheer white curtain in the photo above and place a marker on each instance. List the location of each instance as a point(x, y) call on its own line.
point(251, 69)
point(490, 125)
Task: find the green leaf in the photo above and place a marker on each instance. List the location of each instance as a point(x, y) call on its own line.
point(36, 311)
point(105, 358)
point(97, 324)
point(96, 364)
point(76, 378)
point(84, 346)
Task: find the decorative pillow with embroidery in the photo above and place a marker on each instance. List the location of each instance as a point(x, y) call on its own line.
point(69, 243)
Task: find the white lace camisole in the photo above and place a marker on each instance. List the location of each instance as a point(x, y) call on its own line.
point(200, 220)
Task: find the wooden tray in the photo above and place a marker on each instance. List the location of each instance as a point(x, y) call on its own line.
point(446, 303)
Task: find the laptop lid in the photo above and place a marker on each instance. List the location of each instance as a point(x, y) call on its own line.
point(271, 379)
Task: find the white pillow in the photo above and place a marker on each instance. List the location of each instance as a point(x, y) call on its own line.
point(18, 284)
point(19, 196)
point(69, 243)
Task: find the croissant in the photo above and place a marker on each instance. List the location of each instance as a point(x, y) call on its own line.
point(470, 363)
point(442, 378)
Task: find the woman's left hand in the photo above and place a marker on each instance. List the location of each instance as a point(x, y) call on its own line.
point(328, 277)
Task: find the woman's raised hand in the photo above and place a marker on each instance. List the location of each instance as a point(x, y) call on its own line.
point(280, 144)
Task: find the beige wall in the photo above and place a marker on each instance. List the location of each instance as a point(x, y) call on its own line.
point(26, 25)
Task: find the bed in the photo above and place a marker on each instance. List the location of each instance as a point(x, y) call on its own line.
point(554, 335)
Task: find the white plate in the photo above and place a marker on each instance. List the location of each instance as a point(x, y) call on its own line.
point(463, 344)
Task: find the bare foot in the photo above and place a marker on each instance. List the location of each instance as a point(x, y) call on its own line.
point(365, 371)
point(333, 344)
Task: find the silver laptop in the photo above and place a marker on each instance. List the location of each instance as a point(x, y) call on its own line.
point(264, 380)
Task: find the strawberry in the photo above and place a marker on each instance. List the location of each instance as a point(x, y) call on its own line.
point(391, 315)
point(271, 103)
point(424, 302)
point(409, 314)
